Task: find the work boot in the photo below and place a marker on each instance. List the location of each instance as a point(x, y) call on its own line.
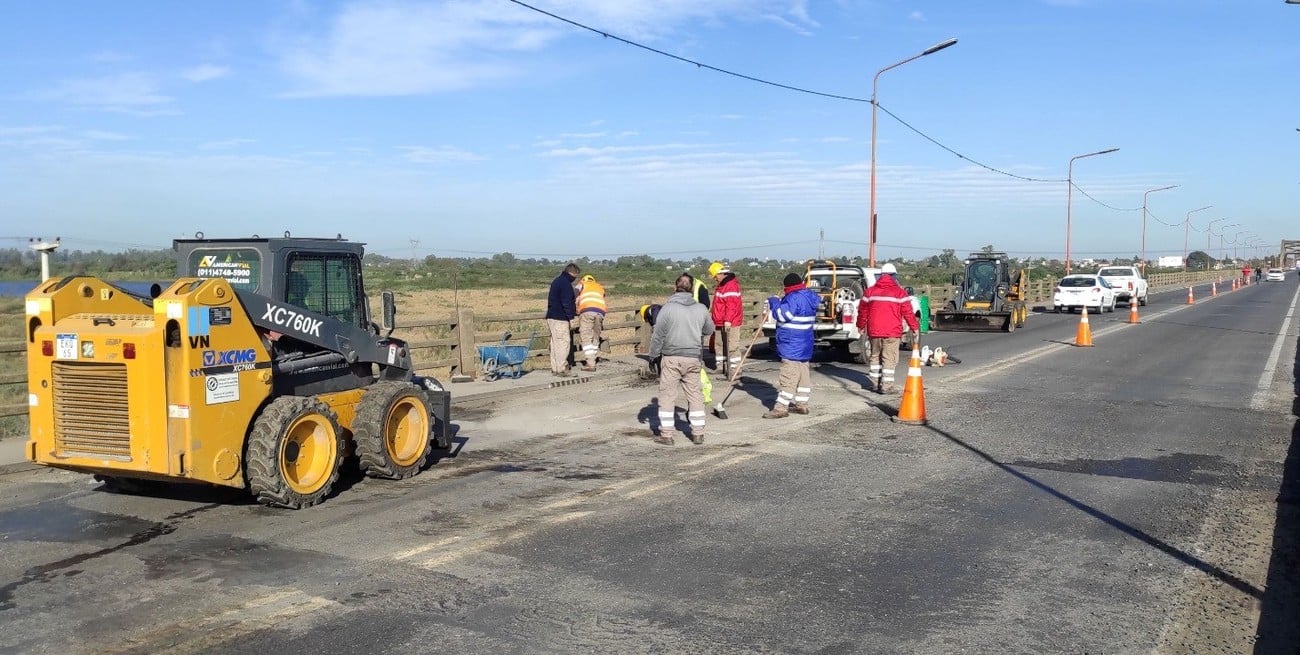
point(664, 440)
point(799, 408)
point(888, 389)
point(778, 411)
point(563, 374)
point(697, 438)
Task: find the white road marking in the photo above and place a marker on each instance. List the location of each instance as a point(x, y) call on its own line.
point(1031, 355)
point(1266, 378)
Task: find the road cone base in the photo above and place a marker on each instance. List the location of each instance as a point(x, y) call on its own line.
point(1083, 345)
point(909, 421)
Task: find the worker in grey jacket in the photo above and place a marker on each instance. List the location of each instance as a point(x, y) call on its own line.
point(679, 330)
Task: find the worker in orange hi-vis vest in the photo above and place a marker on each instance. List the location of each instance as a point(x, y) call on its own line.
point(591, 319)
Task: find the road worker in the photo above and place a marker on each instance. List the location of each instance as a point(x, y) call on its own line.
point(591, 319)
point(680, 327)
point(795, 314)
point(561, 309)
point(649, 313)
point(881, 312)
point(728, 313)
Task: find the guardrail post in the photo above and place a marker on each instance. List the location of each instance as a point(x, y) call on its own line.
point(467, 354)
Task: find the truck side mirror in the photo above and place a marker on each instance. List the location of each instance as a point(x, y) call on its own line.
point(909, 291)
point(390, 311)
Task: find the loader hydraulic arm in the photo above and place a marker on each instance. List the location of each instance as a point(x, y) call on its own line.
point(352, 343)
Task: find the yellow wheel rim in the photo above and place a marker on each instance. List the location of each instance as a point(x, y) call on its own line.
point(406, 431)
point(308, 453)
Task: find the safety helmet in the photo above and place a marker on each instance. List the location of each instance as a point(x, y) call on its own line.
point(644, 313)
point(889, 268)
point(588, 278)
point(715, 268)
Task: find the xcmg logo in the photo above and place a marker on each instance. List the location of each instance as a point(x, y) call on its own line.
point(229, 357)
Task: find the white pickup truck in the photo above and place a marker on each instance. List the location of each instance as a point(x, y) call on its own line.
point(1127, 281)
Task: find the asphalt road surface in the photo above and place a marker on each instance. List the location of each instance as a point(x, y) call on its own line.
point(1133, 497)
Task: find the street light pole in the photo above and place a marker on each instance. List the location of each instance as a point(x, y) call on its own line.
point(1069, 198)
point(871, 246)
point(1143, 256)
point(1187, 223)
point(1235, 238)
point(1222, 234)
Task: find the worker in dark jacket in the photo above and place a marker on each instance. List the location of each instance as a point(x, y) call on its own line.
point(795, 315)
point(561, 309)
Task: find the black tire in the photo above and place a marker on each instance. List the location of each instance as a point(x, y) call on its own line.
point(1142, 301)
point(383, 452)
point(274, 443)
point(1011, 322)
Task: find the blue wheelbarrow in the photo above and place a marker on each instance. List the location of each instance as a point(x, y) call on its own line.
point(504, 360)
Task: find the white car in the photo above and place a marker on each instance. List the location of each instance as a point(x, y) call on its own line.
point(1275, 275)
point(1083, 290)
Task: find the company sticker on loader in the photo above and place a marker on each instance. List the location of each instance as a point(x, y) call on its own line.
point(65, 346)
point(222, 388)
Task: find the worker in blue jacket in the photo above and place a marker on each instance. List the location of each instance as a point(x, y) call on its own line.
point(561, 309)
point(795, 314)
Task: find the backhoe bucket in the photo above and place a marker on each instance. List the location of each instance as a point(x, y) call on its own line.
point(950, 321)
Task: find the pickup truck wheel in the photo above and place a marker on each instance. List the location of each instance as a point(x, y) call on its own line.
point(1142, 301)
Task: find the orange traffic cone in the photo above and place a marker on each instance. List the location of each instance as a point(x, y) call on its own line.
point(1234, 284)
point(1214, 289)
point(1084, 336)
point(1132, 311)
point(1190, 299)
point(912, 408)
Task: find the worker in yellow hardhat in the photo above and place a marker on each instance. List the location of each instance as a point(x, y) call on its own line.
point(591, 319)
point(728, 313)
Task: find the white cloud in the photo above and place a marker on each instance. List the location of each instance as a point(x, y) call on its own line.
point(388, 47)
point(917, 16)
point(205, 73)
point(102, 135)
point(582, 135)
point(130, 93)
point(225, 144)
point(439, 155)
point(29, 130)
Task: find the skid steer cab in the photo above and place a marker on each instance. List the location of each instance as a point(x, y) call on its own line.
point(259, 368)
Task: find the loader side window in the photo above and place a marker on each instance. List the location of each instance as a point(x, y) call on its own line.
point(325, 283)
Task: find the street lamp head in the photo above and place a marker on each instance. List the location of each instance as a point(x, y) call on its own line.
point(939, 46)
point(1107, 152)
point(1164, 188)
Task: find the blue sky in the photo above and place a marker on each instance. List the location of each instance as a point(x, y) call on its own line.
point(481, 126)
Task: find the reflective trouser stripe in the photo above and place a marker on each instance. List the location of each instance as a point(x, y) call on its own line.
point(784, 398)
point(697, 419)
point(801, 394)
point(889, 374)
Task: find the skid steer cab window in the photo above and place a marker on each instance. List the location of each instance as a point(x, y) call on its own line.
point(328, 284)
point(983, 279)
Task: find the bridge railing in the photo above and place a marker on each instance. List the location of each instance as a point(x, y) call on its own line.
point(448, 346)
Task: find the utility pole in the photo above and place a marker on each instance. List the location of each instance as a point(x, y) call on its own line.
point(415, 247)
point(821, 244)
point(39, 244)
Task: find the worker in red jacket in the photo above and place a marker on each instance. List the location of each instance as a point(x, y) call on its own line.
point(881, 313)
point(728, 313)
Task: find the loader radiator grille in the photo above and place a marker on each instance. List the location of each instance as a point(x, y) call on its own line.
point(90, 409)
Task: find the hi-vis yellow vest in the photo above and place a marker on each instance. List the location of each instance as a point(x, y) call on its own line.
point(592, 298)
